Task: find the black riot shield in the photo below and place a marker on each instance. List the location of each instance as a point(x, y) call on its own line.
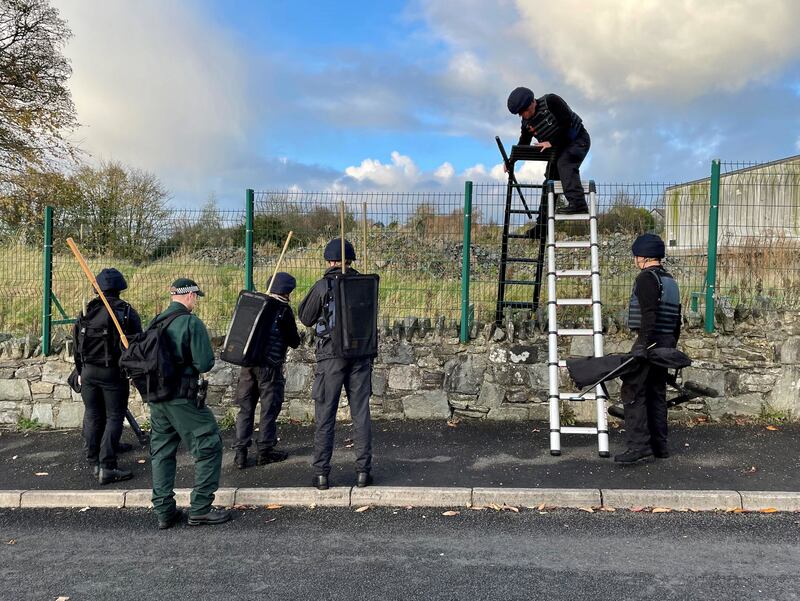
point(249, 330)
point(355, 328)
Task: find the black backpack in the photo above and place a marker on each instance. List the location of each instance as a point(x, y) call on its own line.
point(350, 315)
point(98, 341)
point(149, 363)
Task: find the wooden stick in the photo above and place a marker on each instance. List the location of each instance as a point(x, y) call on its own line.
point(278, 264)
point(341, 225)
point(93, 281)
point(364, 218)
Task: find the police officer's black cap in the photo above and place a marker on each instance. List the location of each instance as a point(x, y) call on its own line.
point(111, 279)
point(519, 100)
point(333, 250)
point(649, 246)
point(185, 286)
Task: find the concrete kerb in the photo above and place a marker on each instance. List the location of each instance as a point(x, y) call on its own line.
point(704, 500)
point(389, 496)
point(417, 496)
point(338, 496)
point(72, 498)
point(755, 500)
point(535, 497)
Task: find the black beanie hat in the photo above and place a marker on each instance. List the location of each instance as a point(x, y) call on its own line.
point(283, 283)
point(111, 279)
point(649, 246)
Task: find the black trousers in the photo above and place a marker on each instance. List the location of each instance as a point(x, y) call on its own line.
point(267, 383)
point(329, 378)
point(566, 168)
point(105, 398)
point(644, 398)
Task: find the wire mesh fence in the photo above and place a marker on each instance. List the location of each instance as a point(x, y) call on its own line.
point(412, 240)
point(759, 232)
point(204, 245)
point(415, 242)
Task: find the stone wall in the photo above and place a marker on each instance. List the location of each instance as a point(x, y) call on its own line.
point(423, 372)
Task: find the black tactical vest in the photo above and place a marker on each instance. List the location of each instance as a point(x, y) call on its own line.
point(546, 127)
point(668, 315)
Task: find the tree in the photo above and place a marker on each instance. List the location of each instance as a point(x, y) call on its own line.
point(121, 211)
point(36, 108)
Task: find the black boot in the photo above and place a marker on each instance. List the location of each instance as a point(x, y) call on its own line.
point(632, 456)
point(660, 452)
point(212, 518)
point(271, 456)
point(241, 458)
point(169, 522)
point(573, 209)
point(320, 482)
point(107, 475)
point(363, 479)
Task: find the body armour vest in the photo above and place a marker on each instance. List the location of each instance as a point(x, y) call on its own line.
point(668, 315)
point(545, 125)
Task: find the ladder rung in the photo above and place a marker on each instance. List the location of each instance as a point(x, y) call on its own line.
point(574, 217)
point(578, 430)
point(575, 332)
point(573, 396)
point(517, 304)
point(573, 273)
point(562, 362)
point(574, 301)
point(518, 237)
point(519, 282)
point(574, 244)
point(559, 187)
point(523, 212)
point(520, 260)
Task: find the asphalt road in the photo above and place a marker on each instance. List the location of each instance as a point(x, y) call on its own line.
point(425, 453)
point(385, 554)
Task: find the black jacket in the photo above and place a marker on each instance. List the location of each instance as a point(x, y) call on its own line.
point(126, 315)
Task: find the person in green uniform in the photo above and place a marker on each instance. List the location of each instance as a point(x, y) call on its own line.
point(182, 418)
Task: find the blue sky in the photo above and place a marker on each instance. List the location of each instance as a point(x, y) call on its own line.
point(216, 96)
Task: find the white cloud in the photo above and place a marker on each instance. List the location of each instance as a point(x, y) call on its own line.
point(159, 88)
point(674, 50)
point(404, 174)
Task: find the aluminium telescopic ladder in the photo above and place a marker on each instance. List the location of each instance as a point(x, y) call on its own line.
point(554, 331)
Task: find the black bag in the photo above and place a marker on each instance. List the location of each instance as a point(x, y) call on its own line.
point(72, 380)
point(149, 363)
point(98, 341)
point(250, 328)
point(353, 315)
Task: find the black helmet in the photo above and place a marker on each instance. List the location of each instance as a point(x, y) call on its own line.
point(333, 250)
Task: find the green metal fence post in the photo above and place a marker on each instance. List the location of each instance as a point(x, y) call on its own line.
point(248, 242)
point(465, 254)
point(47, 284)
point(713, 226)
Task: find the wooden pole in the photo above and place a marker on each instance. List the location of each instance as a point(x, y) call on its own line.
point(278, 264)
point(93, 281)
point(341, 226)
point(364, 220)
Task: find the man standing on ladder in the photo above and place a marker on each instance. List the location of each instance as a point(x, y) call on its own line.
point(550, 120)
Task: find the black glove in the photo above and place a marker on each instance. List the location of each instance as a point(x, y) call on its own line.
point(639, 352)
